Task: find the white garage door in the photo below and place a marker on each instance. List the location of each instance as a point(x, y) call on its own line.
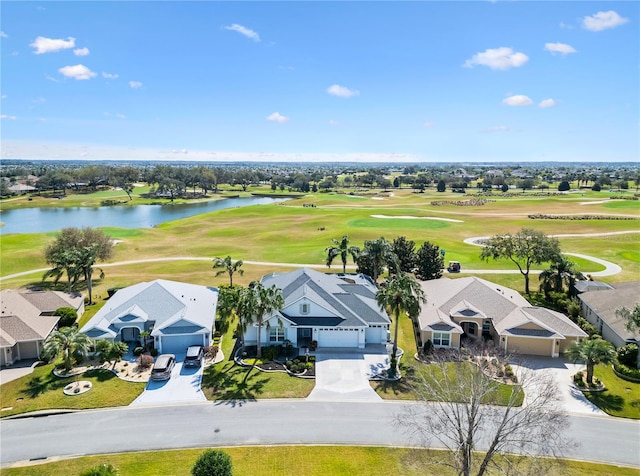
point(179, 344)
point(338, 337)
point(373, 335)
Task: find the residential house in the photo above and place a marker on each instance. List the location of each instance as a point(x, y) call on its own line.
point(599, 308)
point(176, 315)
point(334, 310)
point(475, 308)
point(26, 320)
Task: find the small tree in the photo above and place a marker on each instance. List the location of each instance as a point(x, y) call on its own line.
point(592, 352)
point(213, 463)
point(343, 249)
point(564, 186)
point(458, 410)
point(404, 252)
point(442, 185)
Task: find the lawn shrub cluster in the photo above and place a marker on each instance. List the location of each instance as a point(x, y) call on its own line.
point(213, 463)
point(627, 371)
point(299, 364)
point(628, 355)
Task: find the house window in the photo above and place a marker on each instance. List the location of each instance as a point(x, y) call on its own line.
point(442, 339)
point(304, 308)
point(276, 334)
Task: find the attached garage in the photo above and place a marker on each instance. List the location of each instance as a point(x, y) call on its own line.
point(29, 350)
point(178, 344)
point(530, 346)
point(337, 337)
point(375, 335)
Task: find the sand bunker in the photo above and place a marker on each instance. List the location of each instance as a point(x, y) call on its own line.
point(408, 217)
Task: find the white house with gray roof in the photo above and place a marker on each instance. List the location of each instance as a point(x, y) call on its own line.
point(335, 310)
point(476, 308)
point(175, 314)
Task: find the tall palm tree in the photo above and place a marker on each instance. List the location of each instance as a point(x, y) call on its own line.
point(401, 294)
point(264, 301)
point(342, 248)
point(87, 257)
point(377, 254)
point(66, 342)
point(592, 352)
point(228, 266)
point(64, 261)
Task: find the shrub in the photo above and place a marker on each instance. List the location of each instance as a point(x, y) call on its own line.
point(68, 316)
point(628, 355)
point(573, 309)
point(428, 347)
point(101, 470)
point(145, 361)
point(578, 379)
point(153, 352)
point(270, 352)
point(587, 327)
point(138, 351)
point(213, 463)
point(627, 371)
point(564, 186)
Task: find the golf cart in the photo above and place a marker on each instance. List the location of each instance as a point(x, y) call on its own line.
point(454, 267)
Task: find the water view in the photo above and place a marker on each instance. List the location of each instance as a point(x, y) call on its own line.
point(39, 220)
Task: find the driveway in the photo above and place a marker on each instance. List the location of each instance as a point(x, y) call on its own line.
point(17, 370)
point(343, 374)
point(183, 386)
point(570, 397)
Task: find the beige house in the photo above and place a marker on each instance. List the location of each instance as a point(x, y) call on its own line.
point(474, 308)
point(27, 318)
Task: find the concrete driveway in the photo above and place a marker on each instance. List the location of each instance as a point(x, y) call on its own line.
point(17, 370)
point(343, 374)
point(183, 386)
point(570, 397)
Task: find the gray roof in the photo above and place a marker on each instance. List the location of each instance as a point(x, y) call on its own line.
point(173, 307)
point(509, 312)
point(49, 301)
point(352, 304)
point(21, 319)
point(585, 285)
point(605, 302)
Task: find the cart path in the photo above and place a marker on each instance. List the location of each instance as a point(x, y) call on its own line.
point(610, 268)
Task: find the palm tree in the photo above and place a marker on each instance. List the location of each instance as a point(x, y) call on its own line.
point(342, 248)
point(64, 261)
point(87, 257)
point(377, 254)
point(592, 352)
point(263, 302)
point(229, 266)
point(562, 271)
point(401, 294)
point(67, 341)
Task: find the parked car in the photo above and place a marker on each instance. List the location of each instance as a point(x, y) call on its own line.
point(195, 354)
point(163, 366)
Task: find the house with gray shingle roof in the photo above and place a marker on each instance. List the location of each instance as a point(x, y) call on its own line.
point(599, 308)
point(475, 308)
point(334, 310)
point(27, 318)
point(175, 314)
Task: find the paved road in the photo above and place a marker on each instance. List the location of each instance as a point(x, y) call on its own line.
point(265, 422)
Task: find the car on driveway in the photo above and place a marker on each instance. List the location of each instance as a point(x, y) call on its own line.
point(195, 354)
point(163, 366)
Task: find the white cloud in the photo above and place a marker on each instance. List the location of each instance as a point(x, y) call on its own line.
point(561, 48)
point(244, 31)
point(603, 21)
point(277, 117)
point(341, 91)
point(429, 124)
point(517, 100)
point(5, 116)
point(109, 75)
point(497, 58)
point(547, 103)
point(78, 71)
point(81, 52)
point(497, 129)
point(51, 45)
point(51, 78)
point(3, 35)
point(135, 84)
point(565, 26)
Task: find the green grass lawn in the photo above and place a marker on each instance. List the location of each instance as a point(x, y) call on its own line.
point(287, 460)
point(42, 390)
point(621, 399)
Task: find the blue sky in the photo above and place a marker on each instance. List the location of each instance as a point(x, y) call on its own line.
point(321, 81)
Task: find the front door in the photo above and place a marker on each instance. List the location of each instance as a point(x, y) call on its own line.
point(304, 336)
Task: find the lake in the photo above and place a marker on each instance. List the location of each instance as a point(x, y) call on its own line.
point(39, 220)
